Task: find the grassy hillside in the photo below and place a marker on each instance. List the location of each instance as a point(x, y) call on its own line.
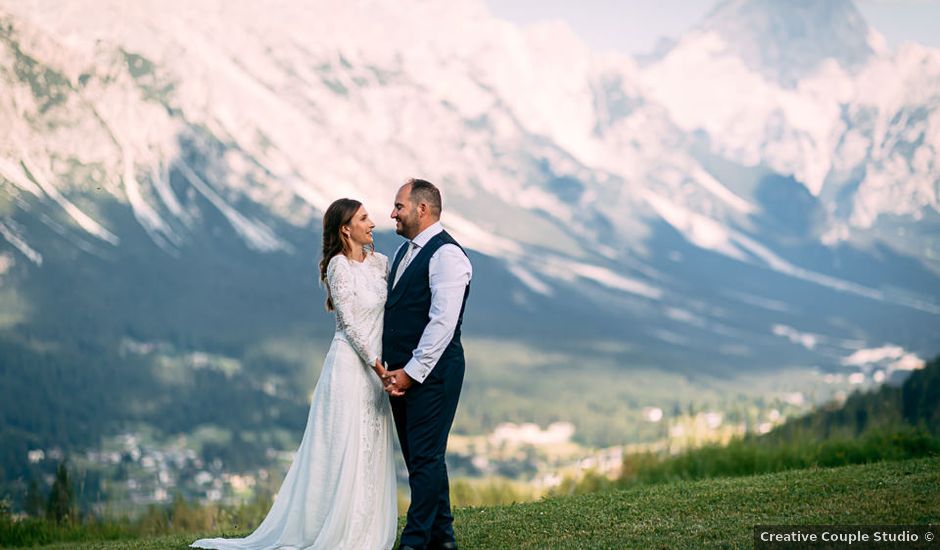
point(915, 403)
point(889, 423)
point(701, 514)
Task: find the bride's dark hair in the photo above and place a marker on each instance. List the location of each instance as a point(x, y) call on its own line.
point(338, 214)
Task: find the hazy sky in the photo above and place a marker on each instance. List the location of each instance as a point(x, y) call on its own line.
point(633, 26)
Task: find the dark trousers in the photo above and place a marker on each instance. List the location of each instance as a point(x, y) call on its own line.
point(423, 417)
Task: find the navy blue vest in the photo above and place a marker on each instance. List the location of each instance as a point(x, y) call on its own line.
point(408, 307)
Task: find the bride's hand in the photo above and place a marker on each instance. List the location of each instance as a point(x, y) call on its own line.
point(385, 376)
point(380, 370)
point(388, 379)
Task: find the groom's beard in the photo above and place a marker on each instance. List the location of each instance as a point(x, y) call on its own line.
point(407, 227)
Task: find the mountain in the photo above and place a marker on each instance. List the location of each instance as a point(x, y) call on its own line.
point(808, 89)
point(712, 222)
point(788, 42)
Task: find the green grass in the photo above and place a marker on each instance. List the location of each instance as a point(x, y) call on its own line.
point(711, 513)
point(758, 456)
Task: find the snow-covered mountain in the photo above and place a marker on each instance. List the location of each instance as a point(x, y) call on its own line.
point(766, 188)
point(809, 89)
point(786, 42)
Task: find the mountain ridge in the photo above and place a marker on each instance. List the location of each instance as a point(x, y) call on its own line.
point(164, 174)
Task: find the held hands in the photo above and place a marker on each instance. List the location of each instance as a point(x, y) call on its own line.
point(395, 382)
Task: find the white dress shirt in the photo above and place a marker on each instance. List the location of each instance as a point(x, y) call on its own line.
point(449, 272)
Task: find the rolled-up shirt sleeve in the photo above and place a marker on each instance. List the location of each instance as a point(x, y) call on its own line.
point(449, 273)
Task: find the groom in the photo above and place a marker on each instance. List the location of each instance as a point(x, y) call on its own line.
point(428, 285)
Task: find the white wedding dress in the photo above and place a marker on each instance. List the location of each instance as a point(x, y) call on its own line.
point(340, 491)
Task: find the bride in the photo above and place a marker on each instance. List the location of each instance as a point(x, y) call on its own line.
point(340, 491)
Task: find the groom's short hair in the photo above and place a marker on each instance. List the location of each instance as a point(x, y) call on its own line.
point(425, 191)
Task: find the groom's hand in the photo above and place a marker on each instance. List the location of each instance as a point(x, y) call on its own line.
point(386, 378)
point(397, 382)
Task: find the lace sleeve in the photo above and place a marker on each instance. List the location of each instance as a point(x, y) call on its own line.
point(383, 265)
point(339, 279)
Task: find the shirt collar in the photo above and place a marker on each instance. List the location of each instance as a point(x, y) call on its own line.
point(422, 238)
